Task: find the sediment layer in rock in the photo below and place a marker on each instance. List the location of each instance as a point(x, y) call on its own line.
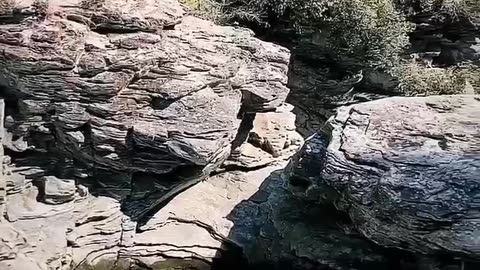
point(406, 170)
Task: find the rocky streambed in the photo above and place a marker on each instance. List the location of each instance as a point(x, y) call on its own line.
point(135, 136)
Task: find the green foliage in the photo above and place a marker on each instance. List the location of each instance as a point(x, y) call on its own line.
point(207, 9)
point(450, 10)
point(358, 34)
point(471, 7)
point(371, 32)
point(193, 4)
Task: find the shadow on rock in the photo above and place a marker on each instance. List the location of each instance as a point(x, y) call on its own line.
point(276, 231)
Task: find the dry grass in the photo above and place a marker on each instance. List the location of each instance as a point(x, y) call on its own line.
point(193, 4)
point(207, 9)
point(453, 7)
point(419, 80)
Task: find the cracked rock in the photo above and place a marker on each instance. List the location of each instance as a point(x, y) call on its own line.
point(405, 170)
point(110, 111)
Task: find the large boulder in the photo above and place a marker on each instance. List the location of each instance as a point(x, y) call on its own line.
point(111, 109)
point(405, 170)
point(288, 220)
point(130, 92)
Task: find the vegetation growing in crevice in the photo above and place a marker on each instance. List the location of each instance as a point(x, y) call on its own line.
point(361, 34)
point(417, 80)
point(446, 9)
point(370, 31)
point(206, 9)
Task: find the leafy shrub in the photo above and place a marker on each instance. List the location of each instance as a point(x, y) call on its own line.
point(372, 32)
point(446, 10)
point(207, 9)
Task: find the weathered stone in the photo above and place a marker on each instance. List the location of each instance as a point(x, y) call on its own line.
point(3, 181)
point(272, 135)
point(318, 88)
point(254, 213)
point(406, 171)
point(320, 81)
point(133, 91)
point(57, 191)
point(134, 102)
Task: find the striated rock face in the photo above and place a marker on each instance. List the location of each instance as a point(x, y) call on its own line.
point(134, 136)
point(447, 41)
point(113, 107)
point(318, 87)
point(130, 99)
point(147, 101)
point(50, 227)
point(405, 170)
point(253, 214)
point(56, 191)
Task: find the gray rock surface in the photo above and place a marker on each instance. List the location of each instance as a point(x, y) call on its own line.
point(444, 41)
point(405, 170)
point(65, 230)
point(56, 191)
point(132, 93)
point(134, 136)
point(320, 86)
point(112, 108)
point(254, 211)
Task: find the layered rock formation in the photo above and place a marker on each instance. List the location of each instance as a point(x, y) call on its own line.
point(294, 219)
point(445, 40)
point(137, 137)
point(113, 107)
point(406, 170)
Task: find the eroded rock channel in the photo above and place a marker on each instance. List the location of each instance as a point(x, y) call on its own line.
point(135, 136)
